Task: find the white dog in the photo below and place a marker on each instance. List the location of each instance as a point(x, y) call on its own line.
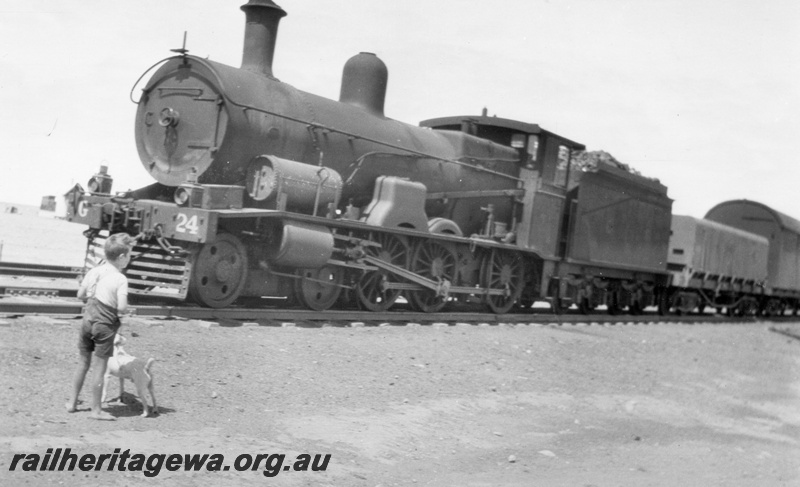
point(126, 366)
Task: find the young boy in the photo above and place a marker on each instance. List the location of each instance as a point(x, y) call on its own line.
point(104, 289)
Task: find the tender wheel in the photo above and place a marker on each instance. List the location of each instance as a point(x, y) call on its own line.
point(525, 302)
point(559, 306)
point(318, 289)
point(613, 307)
point(437, 262)
point(502, 270)
point(664, 303)
point(369, 289)
point(529, 292)
point(585, 306)
point(219, 272)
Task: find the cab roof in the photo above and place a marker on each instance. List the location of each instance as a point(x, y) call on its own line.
point(528, 128)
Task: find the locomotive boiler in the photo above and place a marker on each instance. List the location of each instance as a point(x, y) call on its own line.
point(241, 126)
point(265, 190)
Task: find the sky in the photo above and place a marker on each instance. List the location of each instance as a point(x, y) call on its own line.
point(702, 94)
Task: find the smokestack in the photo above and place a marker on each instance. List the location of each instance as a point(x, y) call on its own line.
point(260, 33)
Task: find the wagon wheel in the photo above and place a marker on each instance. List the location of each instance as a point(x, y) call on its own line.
point(502, 270)
point(683, 303)
point(219, 272)
point(773, 308)
point(437, 262)
point(752, 308)
point(370, 293)
point(318, 289)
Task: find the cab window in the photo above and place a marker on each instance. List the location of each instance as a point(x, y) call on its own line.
point(533, 147)
point(562, 166)
point(528, 145)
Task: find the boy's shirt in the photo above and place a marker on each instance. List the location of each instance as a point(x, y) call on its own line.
point(106, 284)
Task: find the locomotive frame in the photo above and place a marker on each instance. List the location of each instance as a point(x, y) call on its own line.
point(264, 190)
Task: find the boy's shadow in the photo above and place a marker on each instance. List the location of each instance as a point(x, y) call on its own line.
point(129, 405)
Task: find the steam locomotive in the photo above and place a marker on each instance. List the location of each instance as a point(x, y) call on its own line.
point(263, 190)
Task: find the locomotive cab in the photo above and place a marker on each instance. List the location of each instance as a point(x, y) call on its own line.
point(543, 170)
point(573, 219)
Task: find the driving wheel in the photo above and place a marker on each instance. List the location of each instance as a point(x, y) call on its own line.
point(502, 270)
point(437, 262)
point(370, 291)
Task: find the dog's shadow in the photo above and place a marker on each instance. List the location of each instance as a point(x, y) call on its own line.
point(129, 405)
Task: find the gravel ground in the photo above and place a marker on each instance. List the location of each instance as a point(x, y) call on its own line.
point(424, 405)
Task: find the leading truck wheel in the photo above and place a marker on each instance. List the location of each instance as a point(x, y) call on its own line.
point(318, 289)
point(219, 272)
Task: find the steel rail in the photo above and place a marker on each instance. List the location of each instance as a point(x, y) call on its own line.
point(39, 270)
point(276, 313)
point(50, 291)
point(368, 317)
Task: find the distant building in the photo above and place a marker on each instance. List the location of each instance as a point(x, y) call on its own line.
point(52, 207)
point(48, 203)
point(68, 199)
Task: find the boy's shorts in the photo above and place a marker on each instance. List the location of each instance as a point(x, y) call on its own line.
point(98, 338)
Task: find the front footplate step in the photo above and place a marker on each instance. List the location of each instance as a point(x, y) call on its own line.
point(152, 271)
point(155, 272)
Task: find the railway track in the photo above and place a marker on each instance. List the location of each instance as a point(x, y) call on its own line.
point(31, 285)
point(39, 270)
point(26, 279)
point(237, 314)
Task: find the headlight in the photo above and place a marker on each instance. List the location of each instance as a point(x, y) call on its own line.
point(100, 182)
point(181, 196)
point(94, 185)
